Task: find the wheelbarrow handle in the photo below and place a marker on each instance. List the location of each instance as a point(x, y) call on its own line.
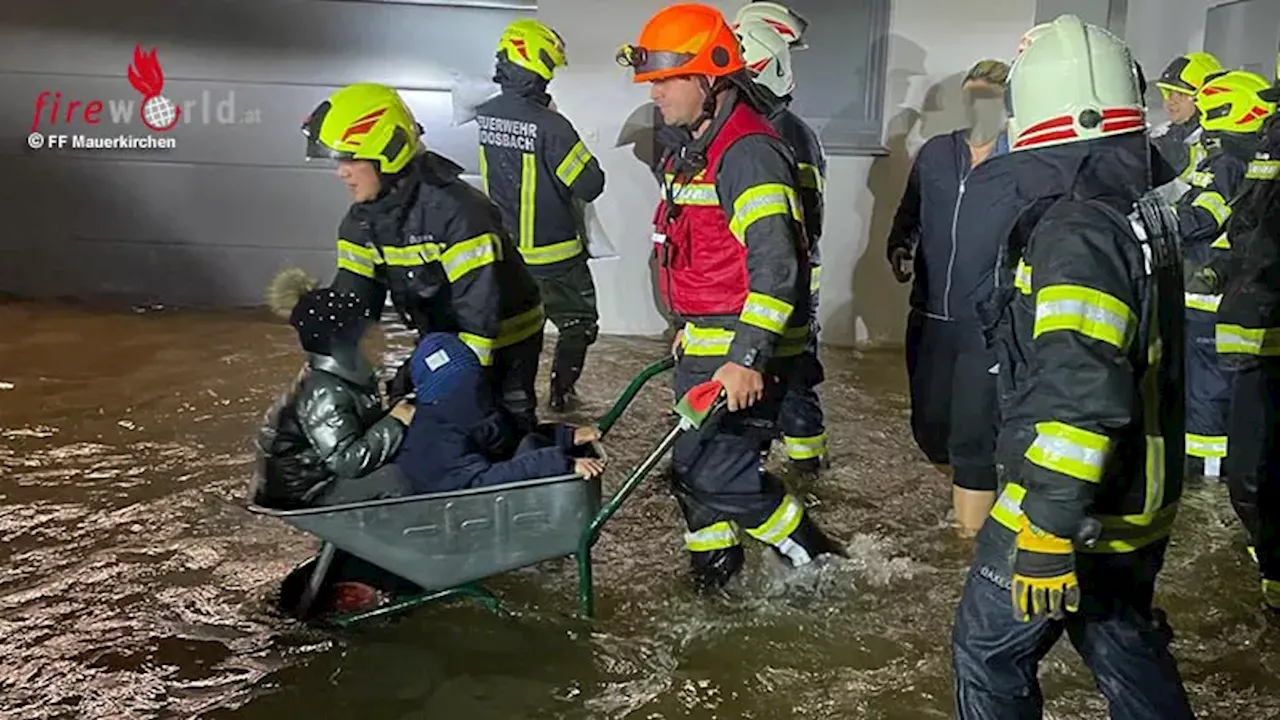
point(610, 418)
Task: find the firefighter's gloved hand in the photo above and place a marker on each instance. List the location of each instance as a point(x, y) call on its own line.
point(1044, 575)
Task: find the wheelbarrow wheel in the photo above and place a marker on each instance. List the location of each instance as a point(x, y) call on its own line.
point(351, 586)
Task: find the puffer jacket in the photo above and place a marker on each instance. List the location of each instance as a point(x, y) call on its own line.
point(330, 427)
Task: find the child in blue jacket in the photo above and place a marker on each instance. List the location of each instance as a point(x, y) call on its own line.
point(459, 438)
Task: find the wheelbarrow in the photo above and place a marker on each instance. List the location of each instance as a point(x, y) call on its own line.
point(440, 546)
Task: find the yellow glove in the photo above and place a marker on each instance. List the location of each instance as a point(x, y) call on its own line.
point(1044, 575)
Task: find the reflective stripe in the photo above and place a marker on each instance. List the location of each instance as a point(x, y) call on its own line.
point(811, 178)
point(760, 202)
point(482, 346)
point(1271, 593)
point(1206, 446)
point(1222, 243)
point(520, 327)
point(548, 254)
point(1069, 450)
point(1215, 203)
point(815, 279)
point(766, 313)
point(1264, 342)
point(694, 193)
point(463, 257)
point(528, 198)
point(1090, 312)
point(484, 171)
point(805, 448)
point(573, 164)
point(1201, 301)
point(717, 536)
point(1199, 178)
point(1022, 277)
point(358, 259)
point(1263, 170)
point(411, 255)
point(1120, 533)
point(715, 342)
point(784, 521)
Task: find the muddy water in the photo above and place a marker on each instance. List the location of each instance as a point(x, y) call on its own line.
point(133, 584)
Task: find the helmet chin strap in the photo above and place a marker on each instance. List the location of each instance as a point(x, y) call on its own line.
point(692, 157)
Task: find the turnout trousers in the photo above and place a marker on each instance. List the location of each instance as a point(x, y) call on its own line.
point(1253, 466)
point(515, 379)
point(569, 297)
point(723, 490)
point(1120, 637)
point(1208, 397)
point(804, 432)
point(953, 397)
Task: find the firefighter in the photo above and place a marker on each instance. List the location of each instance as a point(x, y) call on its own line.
point(538, 172)
point(1178, 139)
point(418, 231)
point(768, 58)
point(1248, 337)
point(1230, 115)
point(1089, 343)
point(733, 266)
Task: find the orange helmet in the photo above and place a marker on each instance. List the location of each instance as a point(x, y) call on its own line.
point(686, 39)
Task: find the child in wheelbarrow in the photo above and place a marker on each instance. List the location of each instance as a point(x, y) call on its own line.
point(460, 438)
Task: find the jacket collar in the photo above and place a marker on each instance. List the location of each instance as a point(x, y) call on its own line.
point(1116, 168)
point(515, 80)
point(363, 375)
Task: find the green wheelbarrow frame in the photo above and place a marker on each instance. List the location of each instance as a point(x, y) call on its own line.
point(586, 539)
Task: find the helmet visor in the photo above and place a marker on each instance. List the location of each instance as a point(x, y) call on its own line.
point(642, 60)
point(317, 150)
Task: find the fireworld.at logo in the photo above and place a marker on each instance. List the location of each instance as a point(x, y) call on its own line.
point(157, 111)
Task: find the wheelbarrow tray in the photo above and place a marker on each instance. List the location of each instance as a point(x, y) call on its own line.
point(444, 540)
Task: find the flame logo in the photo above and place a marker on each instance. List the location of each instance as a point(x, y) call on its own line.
point(147, 77)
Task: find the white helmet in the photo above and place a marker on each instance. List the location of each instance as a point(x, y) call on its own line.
point(778, 16)
point(1073, 82)
point(767, 56)
point(1030, 35)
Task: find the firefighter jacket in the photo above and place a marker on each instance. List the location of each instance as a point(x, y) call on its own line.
point(1179, 146)
point(811, 166)
point(1091, 404)
point(437, 244)
point(535, 167)
point(331, 427)
point(1203, 212)
point(729, 236)
point(1249, 317)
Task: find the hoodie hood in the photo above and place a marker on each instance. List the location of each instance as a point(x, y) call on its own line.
point(515, 80)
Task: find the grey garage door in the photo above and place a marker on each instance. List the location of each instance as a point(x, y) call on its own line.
point(208, 221)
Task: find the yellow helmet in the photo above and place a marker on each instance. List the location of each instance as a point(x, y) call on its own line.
point(1186, 74)
point(1232, 102)
point(364, 121)
point(532, 46)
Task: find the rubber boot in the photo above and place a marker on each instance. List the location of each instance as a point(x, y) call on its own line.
point(807, 542)
point(1271, 594)
point(810, 468)
point(712, 570)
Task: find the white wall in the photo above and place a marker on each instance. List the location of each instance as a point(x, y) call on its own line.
point(861, 302)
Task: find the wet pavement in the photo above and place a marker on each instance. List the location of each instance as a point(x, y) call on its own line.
point(133, 583)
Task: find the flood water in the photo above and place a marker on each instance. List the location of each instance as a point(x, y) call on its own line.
point(133, 583)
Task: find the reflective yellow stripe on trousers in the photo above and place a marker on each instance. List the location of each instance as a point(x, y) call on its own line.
point(716, 536)
point(1120, 533)
point(805, 448)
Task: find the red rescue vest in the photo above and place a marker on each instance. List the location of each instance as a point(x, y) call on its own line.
point(702, 267)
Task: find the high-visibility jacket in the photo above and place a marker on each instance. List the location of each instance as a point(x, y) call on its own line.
point(535, 167)
point(438, 245)
point(730, 244)
point(1089, 393)
point(811, 166)
point(1249, 317)
point(1203, 212)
